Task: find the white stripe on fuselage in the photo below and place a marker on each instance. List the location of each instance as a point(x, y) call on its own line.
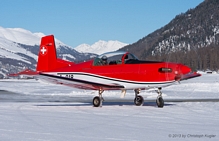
point(128, 84)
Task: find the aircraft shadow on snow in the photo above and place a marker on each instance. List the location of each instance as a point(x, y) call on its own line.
point(149, 104)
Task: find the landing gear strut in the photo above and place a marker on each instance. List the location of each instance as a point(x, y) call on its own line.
point(139, 100)
point(98, 100)
point(159, 100)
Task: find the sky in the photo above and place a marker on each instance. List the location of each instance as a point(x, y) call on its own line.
point(75, 22)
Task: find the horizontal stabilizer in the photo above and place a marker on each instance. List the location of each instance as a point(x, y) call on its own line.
point(189, 76)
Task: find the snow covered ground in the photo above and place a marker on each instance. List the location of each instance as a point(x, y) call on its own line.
point(35, 111)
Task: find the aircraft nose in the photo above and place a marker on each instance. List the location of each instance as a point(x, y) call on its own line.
point(184, 69)
point(181, 70)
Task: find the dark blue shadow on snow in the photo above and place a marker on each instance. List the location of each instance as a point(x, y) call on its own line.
point(150, 104)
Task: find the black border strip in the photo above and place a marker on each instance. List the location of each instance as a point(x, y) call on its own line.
point(82, 81)
point(143, 83)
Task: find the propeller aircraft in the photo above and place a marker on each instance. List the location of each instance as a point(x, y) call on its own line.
point(110, 71)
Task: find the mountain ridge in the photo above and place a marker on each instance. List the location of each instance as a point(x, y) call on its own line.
point(186, 36)
point(19, 50)
point(100, 47)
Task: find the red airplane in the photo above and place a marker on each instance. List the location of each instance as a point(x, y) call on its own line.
point(110, 71)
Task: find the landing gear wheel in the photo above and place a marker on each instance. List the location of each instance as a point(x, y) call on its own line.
point(160, 102)
point(139, 100)
point(97, 102)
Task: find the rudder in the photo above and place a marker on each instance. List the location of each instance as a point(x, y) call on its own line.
point(47, 59)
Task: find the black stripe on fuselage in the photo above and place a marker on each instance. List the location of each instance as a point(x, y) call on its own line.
point(82, 81)
point(124, 81)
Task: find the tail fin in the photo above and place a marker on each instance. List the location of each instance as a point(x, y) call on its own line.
point(47, 59)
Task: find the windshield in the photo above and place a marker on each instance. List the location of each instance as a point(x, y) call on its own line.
point(114, 58)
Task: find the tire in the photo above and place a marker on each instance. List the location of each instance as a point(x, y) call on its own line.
point(96, 101)
point(139, 100)
point(160, 102)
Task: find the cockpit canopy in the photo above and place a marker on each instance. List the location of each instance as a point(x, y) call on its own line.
point(114, 58)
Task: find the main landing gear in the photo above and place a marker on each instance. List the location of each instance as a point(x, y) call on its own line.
point(98, 100)
point(139, 100)
point(159, 100)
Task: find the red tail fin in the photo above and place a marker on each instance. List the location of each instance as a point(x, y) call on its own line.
point(47, 59)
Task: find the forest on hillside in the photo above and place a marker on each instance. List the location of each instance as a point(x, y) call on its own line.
point(191, 38)
point(198, 59)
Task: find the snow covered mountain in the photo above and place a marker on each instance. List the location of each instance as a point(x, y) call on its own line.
point(100, 47)
point(19, 49)
point(20, 35)
point(191, 38)
point(23, 36)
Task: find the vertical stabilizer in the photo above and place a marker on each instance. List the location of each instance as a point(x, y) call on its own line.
point(47, 59)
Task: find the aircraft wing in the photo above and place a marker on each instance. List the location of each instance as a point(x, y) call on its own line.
point(76, 83)
point(189, 76)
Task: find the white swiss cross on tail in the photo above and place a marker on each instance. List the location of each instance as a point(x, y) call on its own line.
point(43, 50)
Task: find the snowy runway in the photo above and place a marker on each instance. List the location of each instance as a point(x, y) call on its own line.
point(30, 110)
